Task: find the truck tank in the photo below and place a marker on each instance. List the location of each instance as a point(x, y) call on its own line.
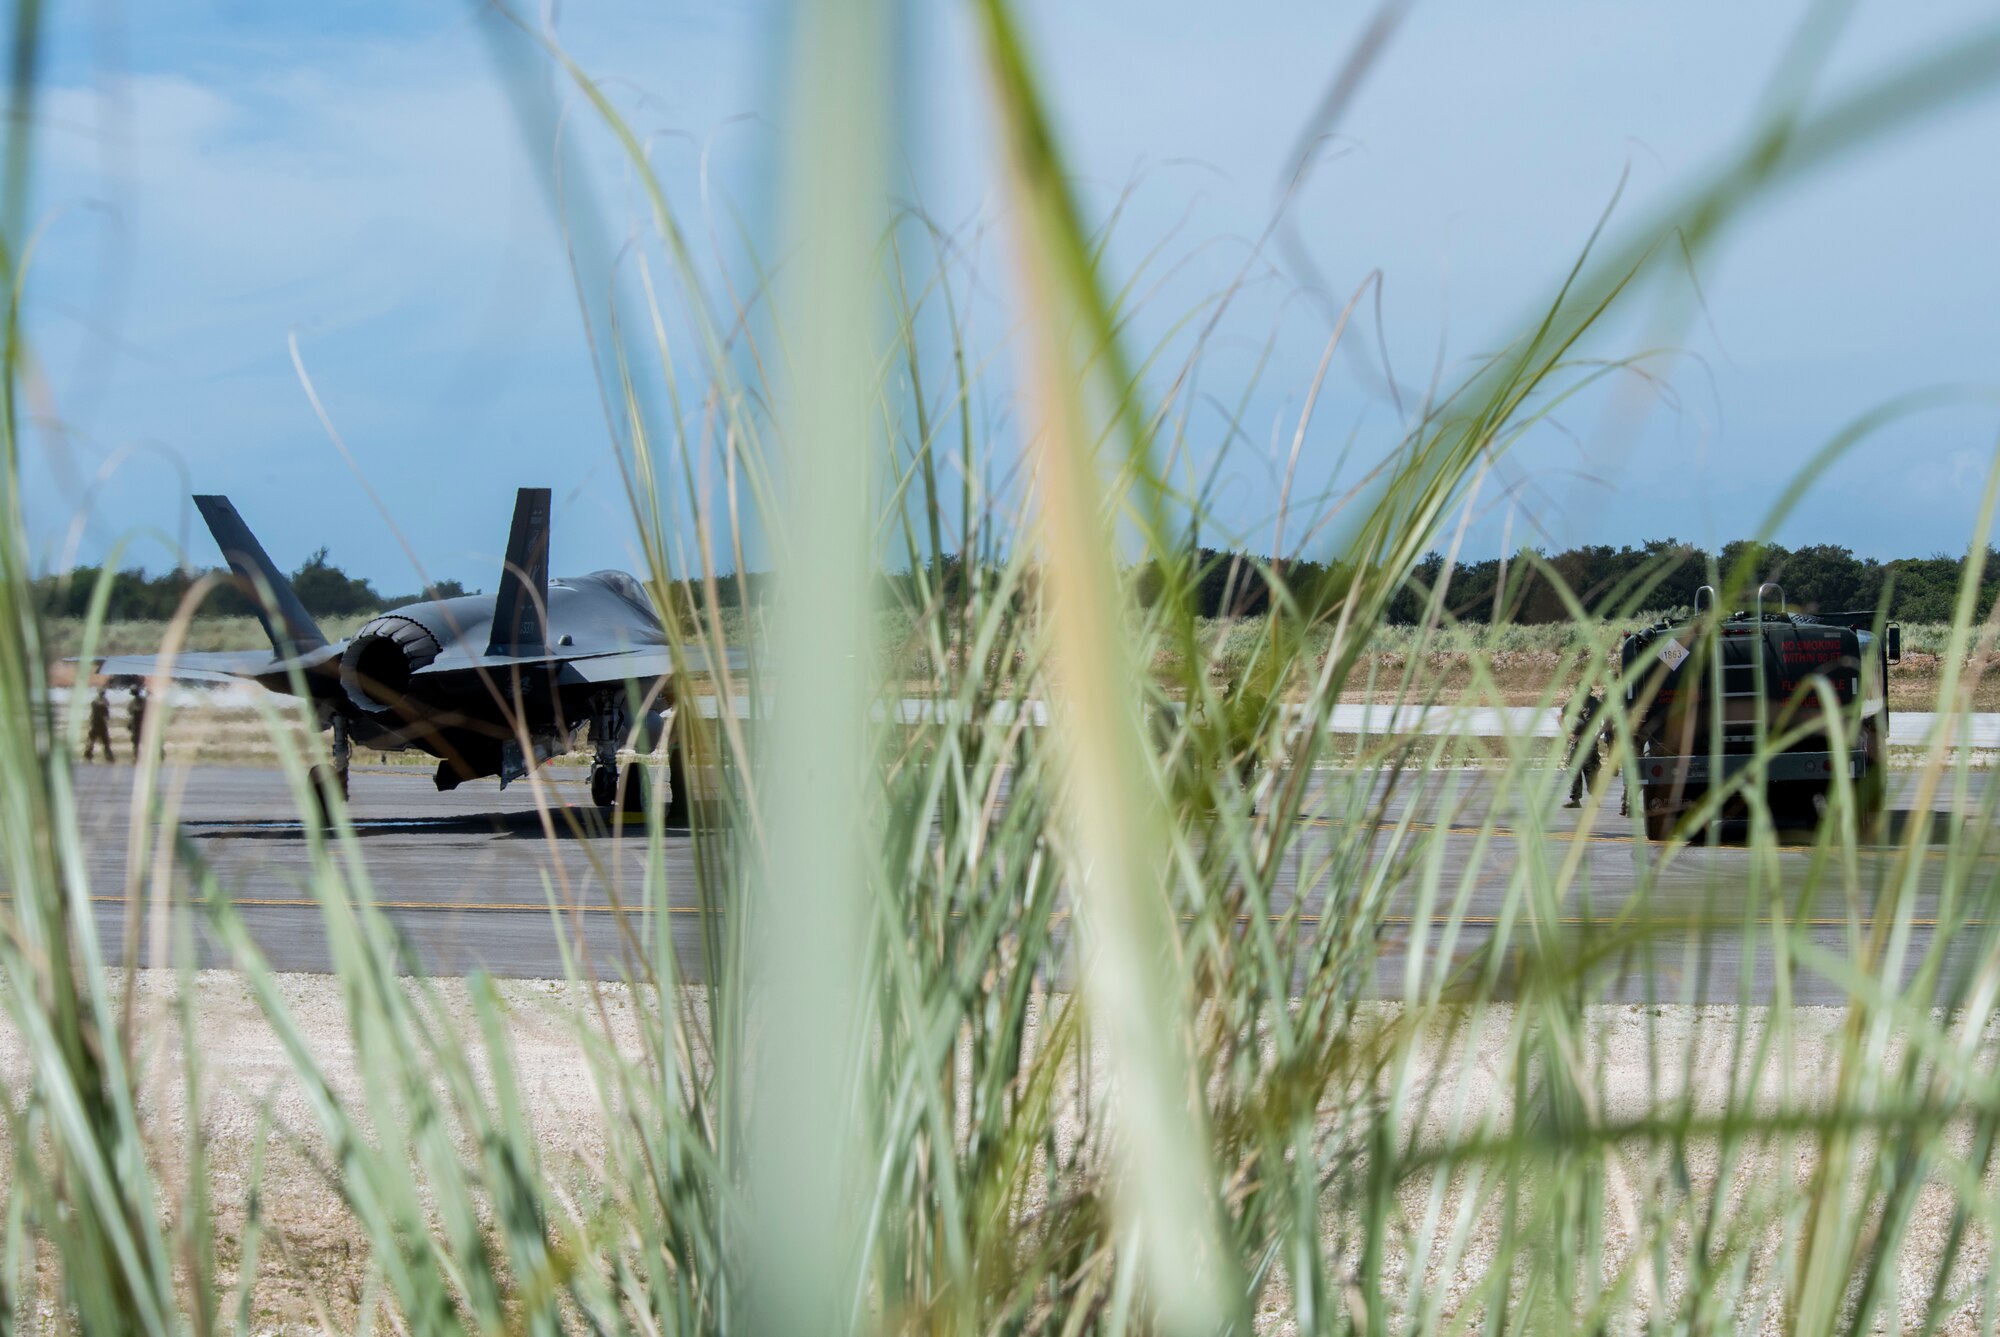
point(1702, 694)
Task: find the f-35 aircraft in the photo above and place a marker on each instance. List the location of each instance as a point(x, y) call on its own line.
point(467, 679)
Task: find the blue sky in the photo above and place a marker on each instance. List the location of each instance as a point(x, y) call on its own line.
point(219, 181)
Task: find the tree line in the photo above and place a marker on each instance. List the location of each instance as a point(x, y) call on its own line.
point(1607, 581)
point(1819, 577)
point(1660, 575)
point(134, 596)
point(1528, 587)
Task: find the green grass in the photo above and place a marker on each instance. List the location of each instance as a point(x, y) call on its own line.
point(1011, 1030)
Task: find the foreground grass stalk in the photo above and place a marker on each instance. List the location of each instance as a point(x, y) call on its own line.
point(811, 914)
point(84, 1180)
point(1130, 960)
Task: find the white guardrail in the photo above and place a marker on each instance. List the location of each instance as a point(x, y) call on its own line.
point(1909, 728)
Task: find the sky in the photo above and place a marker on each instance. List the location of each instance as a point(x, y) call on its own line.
point(220, 183)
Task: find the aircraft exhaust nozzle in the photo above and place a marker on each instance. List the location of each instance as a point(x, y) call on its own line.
point(376, 667)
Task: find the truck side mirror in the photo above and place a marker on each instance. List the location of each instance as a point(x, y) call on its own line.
point(1894, 635)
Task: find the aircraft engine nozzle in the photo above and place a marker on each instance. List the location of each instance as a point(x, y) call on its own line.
point(376, 667)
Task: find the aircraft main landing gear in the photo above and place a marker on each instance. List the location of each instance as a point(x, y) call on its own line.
point(329, 780)
point(606, 731)
point(343, 752)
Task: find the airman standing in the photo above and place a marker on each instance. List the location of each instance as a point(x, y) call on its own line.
point(135, 715)
point(1584, 736)
point(100, 727)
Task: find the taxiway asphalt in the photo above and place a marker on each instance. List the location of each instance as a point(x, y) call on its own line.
point(480, 878)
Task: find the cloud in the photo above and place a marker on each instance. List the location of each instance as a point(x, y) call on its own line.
point(257, 175)
point(373, 195)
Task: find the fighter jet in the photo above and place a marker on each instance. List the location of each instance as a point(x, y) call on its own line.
point(489, 686)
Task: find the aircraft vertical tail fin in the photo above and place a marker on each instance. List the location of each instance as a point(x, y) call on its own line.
point(285, 619)
point(520, 609)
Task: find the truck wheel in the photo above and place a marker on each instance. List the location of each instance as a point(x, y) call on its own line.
point(1660, 826)
point(1871, 790)
point(1796, 806)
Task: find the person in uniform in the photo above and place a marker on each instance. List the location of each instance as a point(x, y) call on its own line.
point(135, 715)
point(1584, 734)
point(100, 727)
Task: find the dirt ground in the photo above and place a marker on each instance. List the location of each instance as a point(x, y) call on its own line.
point(314, 1263)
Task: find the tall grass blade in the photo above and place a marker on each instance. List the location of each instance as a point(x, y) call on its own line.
point(811, 914)
point(1130, 957)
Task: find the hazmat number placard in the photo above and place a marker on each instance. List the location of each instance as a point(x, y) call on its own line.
point(1673, 653)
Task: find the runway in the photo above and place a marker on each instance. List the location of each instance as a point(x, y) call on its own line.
point(481, 879)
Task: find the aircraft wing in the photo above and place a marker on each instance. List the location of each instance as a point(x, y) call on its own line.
point(642, 665)
point(604, 666)
point(258, 666)
point(193, 665)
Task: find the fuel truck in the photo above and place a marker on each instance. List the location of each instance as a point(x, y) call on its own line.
point(1703, 694)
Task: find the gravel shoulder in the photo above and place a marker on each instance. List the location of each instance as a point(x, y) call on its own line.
point(314, 1266)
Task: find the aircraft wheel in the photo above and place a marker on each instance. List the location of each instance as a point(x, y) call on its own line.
point(326, 782)
point(677, 811)
point(603, 785)
point(632, 808)
point(1660, 826)
point(343, 752)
